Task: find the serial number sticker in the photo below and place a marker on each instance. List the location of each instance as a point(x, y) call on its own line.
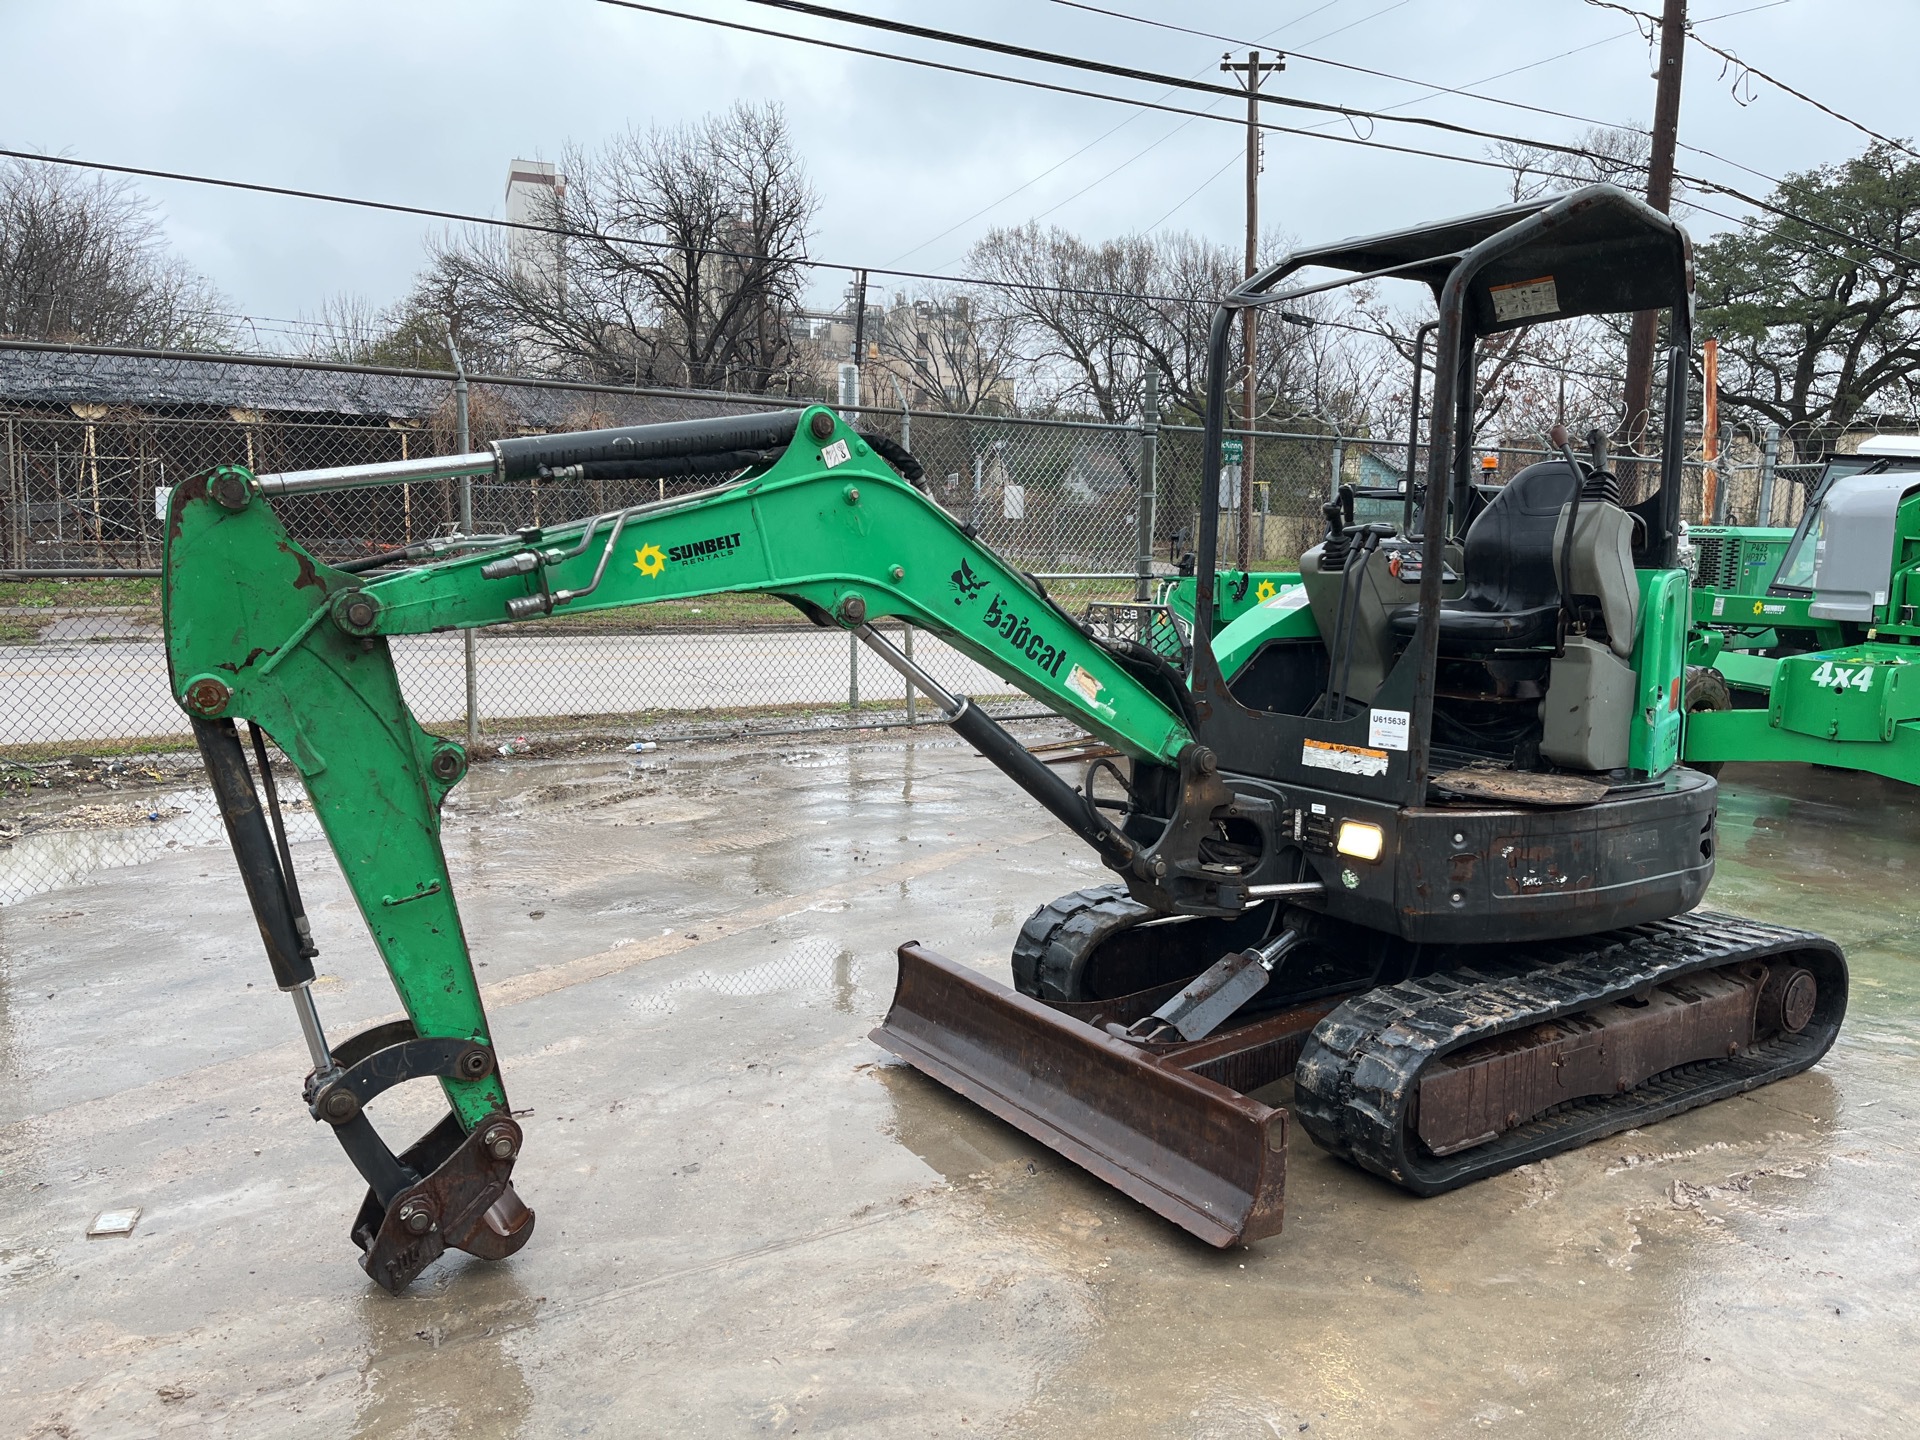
point(1347, 759)
point(1525, 298)
point(1719, 605)
point(835, 454)
point(1082, 683)
point(1388, 728)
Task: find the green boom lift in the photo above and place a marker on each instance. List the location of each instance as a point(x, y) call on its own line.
point(1419, 843)
point(1805, 644)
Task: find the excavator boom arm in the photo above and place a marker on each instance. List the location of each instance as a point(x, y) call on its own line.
point(259, 630)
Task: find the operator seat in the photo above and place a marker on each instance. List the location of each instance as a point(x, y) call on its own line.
point(1512, 595)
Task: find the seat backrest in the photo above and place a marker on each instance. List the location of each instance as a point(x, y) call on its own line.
point(1509, 548)
point(1603, 568)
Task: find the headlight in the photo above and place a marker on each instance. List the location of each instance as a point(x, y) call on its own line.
point(1360, 840)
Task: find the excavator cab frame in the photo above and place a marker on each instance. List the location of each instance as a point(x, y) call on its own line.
point(1596, 251)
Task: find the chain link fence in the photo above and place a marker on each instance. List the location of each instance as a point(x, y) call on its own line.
point(92, 442)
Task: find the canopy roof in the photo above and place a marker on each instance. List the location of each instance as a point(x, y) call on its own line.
point(1597, 251)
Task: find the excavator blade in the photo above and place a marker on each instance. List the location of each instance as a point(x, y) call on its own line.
point(1161, 1123)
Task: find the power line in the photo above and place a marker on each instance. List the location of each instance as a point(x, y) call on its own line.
point(1164, 94)
point(1575, 151)
point(1057, 89)
point(1464, 92)
point(1232, 160)
point(1802, 95)
point(1101, 67)
point(1034, 180)
point(303, 362)
point(1775, 81)
point(1184, 301)
point(561, 231)
point(433, 213)
point(1352, 24)
point(1468, 93)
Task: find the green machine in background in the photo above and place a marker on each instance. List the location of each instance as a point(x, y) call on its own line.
point(1805, 644)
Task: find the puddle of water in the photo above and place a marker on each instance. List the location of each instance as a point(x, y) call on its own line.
point(55, 858)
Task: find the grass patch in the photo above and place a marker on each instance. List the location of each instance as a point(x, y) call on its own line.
point(135, 593)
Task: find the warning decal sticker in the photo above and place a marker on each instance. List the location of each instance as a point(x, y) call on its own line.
point(1082, 683)
point(1524, 299)
point(1347, 759)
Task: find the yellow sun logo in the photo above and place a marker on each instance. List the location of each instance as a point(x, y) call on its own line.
point(1756, 607)
point(1266, 591)
point(650, 560)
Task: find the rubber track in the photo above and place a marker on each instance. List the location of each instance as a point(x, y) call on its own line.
point(1060, 932)
point(1359, 1071)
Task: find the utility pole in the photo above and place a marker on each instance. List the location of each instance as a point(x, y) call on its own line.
point(859, 332)
point(1250, 72)
point(1666, 131)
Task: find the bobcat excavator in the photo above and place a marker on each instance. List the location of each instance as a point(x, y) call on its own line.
point(1413, 835)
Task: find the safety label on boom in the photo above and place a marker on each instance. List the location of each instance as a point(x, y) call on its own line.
point(1347, 759)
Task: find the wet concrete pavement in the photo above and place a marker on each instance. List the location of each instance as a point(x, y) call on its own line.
point(752, 1222)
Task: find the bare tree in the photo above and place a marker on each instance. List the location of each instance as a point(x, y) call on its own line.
point(1077, 308)
point(83, 259)
point(1615, 155)
point(675, 257)
point(1094, 319)
point(950, 350)
point(410, 333)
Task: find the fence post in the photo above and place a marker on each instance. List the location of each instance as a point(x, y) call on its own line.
point(17, 512)
point(1148, 494)
point(913, 712)
point(1339, 463)
point(462, 444)
point(906, 443)
point(1769, 462)
point(1722, 479)
point(853, 673)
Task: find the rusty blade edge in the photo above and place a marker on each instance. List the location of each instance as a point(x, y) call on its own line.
point(1252, 1128)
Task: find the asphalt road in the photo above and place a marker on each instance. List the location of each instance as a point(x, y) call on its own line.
point(116, 689)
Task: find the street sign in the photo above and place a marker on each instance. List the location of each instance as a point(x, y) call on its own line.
point(1232, 452)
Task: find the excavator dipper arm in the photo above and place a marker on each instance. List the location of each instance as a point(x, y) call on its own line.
point(261, 631)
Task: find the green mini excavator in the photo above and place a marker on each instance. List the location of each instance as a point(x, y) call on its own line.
point(1411, 835)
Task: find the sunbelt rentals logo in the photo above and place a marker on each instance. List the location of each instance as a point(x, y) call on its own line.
point(651, 561)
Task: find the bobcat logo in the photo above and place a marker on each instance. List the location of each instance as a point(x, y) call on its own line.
point(966, 582)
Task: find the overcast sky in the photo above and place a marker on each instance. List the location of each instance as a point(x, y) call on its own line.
point(426, 102)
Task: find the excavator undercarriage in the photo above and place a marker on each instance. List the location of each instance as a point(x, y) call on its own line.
point(1404, 848)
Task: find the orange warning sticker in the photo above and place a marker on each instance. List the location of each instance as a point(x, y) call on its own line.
point(1347, 759)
